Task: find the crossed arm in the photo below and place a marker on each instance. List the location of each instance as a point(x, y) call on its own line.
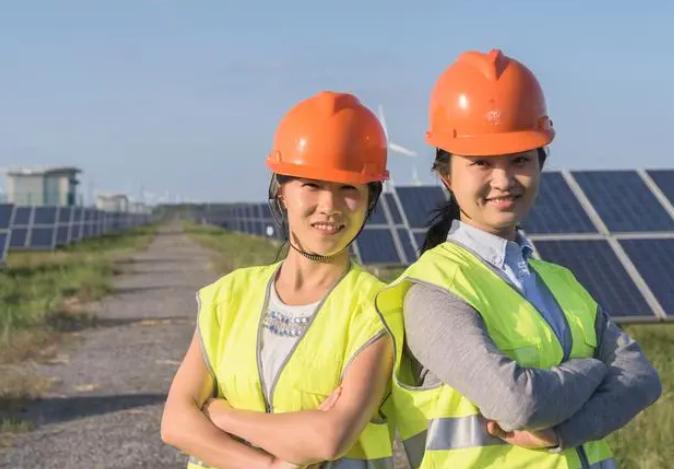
point(317, 435)
point(301, 438)
point(583, 399)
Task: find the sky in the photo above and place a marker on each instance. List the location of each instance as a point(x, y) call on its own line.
point(180, 99)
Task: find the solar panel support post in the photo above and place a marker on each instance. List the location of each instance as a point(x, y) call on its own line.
point(403, 217)
point(394, 233)
point(624, 259)
point(662, 198)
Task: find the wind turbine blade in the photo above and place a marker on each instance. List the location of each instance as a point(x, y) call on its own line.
point(382, 119)
point(400, 149)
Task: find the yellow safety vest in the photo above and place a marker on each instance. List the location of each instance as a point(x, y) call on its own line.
point(439, 427)
point(230, 321)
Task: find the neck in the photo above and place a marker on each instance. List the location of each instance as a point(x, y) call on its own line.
point(509, 232)
point(303, 277)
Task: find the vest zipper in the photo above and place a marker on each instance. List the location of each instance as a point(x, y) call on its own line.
point(269, 399)
point(258, 349)
point(582, 455)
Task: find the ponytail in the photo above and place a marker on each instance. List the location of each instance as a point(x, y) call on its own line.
point(440, 224)
point(442, 217)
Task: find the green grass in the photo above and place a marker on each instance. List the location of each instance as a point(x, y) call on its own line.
point(235, 250)
point(36, 286)
point(646, 443)
point(41, 295)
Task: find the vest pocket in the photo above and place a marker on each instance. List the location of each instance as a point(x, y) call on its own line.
point(527, 355)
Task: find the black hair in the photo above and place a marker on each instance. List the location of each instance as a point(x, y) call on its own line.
point(442, 217)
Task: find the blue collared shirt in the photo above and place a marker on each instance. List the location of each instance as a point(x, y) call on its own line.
point(510, 260)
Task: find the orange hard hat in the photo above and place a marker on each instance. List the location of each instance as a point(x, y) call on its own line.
point(488, 104)
point(330, 137)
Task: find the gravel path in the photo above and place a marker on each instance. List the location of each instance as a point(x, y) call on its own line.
point(105, 407)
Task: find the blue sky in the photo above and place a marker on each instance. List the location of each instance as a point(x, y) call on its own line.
point(183, 96)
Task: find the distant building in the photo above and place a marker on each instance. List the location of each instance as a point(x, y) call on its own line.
point(112, 203)
point(46, 186)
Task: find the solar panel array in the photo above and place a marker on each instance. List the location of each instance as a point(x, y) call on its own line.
point(46, 228)
point(613, 229)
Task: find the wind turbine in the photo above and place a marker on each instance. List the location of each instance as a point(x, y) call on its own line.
point(399, 149)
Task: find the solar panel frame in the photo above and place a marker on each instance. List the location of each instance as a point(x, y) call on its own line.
point(43, 228)
point(639, 209)
point(603, 275)
point(556, 209)
point(376, 247)
point(654, 260)
point(4, 246)
point(6, 215)
point(419, 202)
point(664, 180)
point(20, 230)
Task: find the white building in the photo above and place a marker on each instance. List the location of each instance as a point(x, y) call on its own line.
point(118, 203)
point(45, 186)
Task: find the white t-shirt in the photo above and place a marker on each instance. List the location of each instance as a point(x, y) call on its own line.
point(283, 325)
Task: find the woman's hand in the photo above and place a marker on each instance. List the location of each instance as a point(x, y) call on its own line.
point(526, 439)
point(332, 399)
point(213, 408)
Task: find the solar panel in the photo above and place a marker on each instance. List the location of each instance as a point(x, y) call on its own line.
point(45, 215)
point(654, 259)
point(598, 269)
point(624, 202)
point(4, 246)
point(42, 230)
point(557, 209)
point(18, 238)
point(376, 247)
point(393, 208)
point(664, 179)
point(42, 238)
point(377, 217)
point(6, 211)
point(22, 216)
point(418, 203)
point(406, 243)
point(419, 237)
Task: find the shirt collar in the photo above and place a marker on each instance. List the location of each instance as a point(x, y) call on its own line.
point(488, 246)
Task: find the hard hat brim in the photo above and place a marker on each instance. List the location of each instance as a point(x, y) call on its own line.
point(323, 174)
point(497, 144)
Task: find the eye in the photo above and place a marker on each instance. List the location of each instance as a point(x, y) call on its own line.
point(311, 185)
point(521, 160)
point(480, 163)
point(349, 188)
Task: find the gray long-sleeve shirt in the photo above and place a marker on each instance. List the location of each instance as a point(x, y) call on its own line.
point(583, 399)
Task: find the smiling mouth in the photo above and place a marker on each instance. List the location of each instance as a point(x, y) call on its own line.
point(328, 228)
point(505, 198)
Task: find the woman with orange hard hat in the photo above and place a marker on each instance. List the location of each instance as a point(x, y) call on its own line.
point(290, 363)
point(503, 361)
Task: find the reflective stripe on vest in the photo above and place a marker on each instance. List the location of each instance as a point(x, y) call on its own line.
point(605, 464)
point(350, 463)
point(446, 434)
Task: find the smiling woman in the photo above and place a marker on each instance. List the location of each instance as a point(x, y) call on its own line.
point(294, 353)
point(505, 361)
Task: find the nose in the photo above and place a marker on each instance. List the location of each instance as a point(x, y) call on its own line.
point(328, 202)
point(501, 178)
